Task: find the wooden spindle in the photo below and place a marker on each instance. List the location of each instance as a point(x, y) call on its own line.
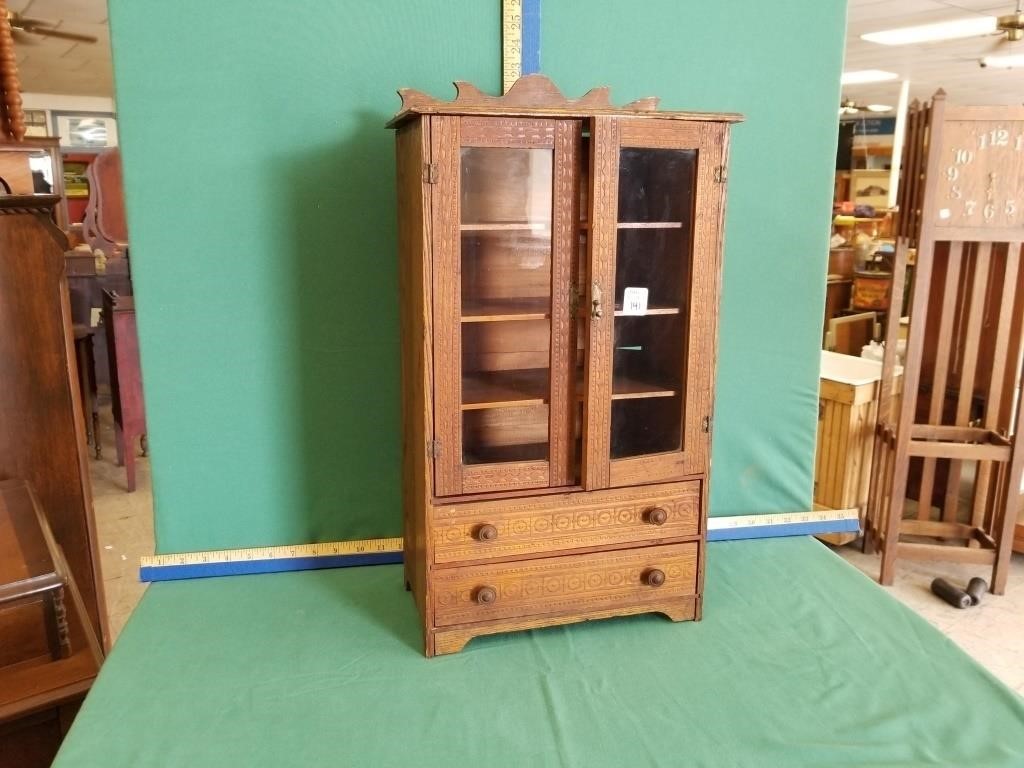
point(10, 85)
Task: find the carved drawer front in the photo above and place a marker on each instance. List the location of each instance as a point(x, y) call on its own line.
point(517, 527)
point(566, 584)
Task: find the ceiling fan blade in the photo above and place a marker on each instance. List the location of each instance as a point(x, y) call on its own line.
point(47, 29)
point(21, 37)
point(63, 35)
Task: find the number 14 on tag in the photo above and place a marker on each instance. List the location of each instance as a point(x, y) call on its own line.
point(634, 301)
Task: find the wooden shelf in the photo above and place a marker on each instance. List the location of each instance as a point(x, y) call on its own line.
point(496, 310)
point(500, 454)
point(650, 311)
point(502, 226)
point(650, 225)
point(505, 389)
point(625, 388)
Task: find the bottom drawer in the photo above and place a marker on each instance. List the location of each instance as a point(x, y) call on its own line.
point(567, 584)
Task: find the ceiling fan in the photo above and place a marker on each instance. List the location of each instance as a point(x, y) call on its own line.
point(849, 107)
point(24, 29)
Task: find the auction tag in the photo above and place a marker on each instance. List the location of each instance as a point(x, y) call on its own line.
point(634, 301)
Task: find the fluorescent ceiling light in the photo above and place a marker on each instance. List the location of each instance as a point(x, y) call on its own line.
point(972, 26)
point(879, 107)
point(867, 76)
point(1003, 62)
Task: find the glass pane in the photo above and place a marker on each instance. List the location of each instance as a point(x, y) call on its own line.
point(506, 303)
point(652, 277)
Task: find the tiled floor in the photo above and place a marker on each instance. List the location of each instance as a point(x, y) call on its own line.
point(993, 632)
point(124, 527)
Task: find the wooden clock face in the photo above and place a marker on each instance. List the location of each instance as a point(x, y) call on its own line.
point(981, 175)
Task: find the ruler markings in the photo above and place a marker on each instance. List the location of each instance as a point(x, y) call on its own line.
point(341, 554)
point(511, 42)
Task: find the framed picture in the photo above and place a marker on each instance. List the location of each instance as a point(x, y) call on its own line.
point(85, 131)
point(35, 122)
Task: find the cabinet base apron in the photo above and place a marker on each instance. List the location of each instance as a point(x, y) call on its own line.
point(445, 640)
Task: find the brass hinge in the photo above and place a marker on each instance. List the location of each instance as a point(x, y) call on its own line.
point(433, 448)
point(705, 424)
point(721, 175)
point(430, 173)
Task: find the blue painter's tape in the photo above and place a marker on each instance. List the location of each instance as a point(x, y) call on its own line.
point(794, 529)
point(531, 37)
point(245, 567)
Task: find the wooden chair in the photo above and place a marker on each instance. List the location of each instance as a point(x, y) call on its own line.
point(125, 380)
point(105, 226)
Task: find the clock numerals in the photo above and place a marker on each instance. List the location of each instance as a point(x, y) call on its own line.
point(1010, 209)
point(955, 192)
point(997, 137)
point(970, 207)
point(962, 156)
point(952, 173)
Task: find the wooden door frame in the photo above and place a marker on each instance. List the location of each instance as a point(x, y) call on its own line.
point(607, 137)
point(448, 135)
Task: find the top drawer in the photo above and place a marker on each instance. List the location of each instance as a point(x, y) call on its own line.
point(525, 526)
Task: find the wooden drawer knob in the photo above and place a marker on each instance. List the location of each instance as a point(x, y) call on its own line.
point(656, 516)
point(486, 595)
point(653, 577)
point(486, 533)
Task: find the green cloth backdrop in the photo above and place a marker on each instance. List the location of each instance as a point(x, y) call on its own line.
point(261, 206)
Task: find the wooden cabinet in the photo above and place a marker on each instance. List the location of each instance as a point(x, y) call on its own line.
point(560, 272)
point(42, 445)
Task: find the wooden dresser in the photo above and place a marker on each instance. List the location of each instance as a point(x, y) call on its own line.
point(42, 446)
point(560, 273)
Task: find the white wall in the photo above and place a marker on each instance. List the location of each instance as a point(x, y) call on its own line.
point(66, 103)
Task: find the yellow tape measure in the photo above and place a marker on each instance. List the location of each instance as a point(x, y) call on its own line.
point(511, 42)
point(292, 557)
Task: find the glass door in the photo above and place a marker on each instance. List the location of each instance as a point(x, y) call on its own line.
point(655, 264)
point(502, 357)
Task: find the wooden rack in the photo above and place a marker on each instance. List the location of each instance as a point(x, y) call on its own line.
point(963, 170)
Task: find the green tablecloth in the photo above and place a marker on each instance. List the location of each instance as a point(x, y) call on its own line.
point(800, 661)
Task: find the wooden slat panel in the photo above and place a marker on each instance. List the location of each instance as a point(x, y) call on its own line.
point(993, 401)
point(972, 334)
point(1009, 503)
point(942, 362)
point(944, 553)
point(959, 452)
point(444, 152)
point(937, 529)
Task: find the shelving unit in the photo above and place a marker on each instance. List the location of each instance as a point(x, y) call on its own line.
point(518, 251)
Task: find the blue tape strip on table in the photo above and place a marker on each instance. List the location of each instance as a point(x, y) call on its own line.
point(245, 567)
point(785, 529)
point(530, 61)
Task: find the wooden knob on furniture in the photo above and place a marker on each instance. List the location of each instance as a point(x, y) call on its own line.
point(486, 533)
point(653, 578)
point(656, 516)
point(486, 595)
